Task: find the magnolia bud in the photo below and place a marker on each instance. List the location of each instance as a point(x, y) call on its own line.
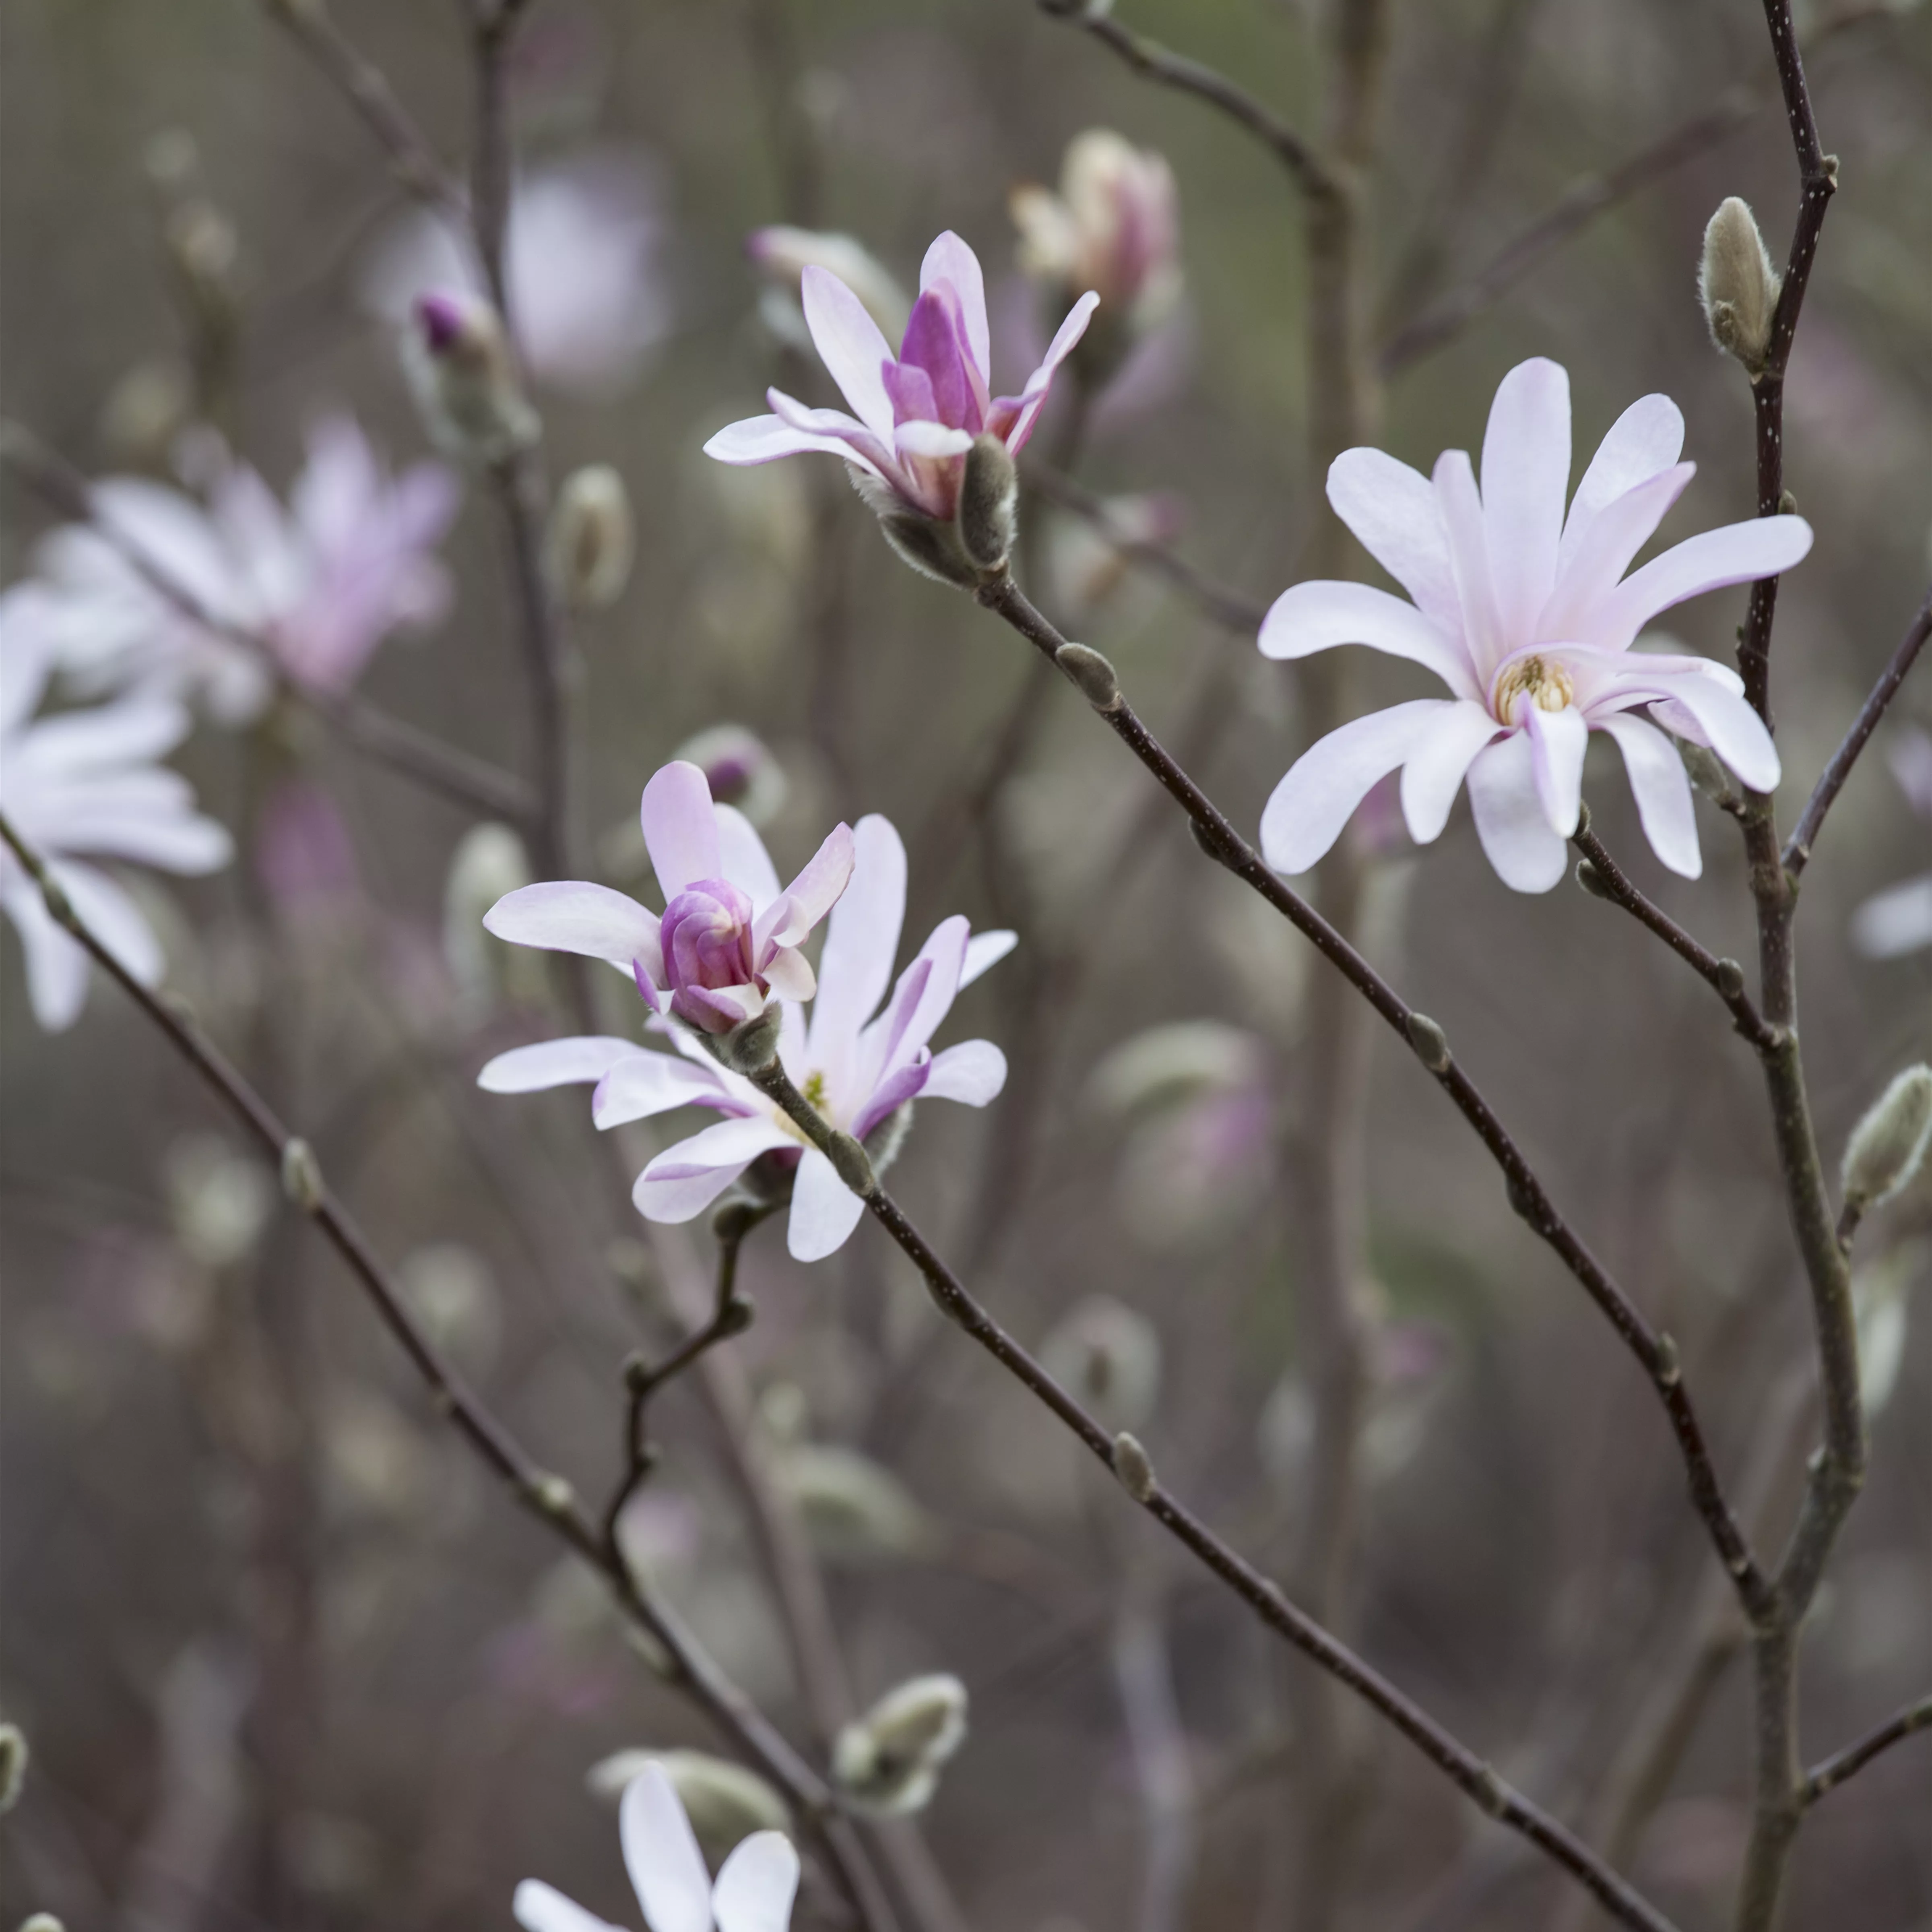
point(1879, 1299)
point(888, 1762)
point(590, 541)
point(725, 1802)
point(739, 767)
point(301, 1175)
point(852, 1165)
point(751, 1047)
point(855, 1509)
point(1095, 677)
point(989, 499)
point(489, 862)
point(1108, 1357)
point(1888, 1147)
point(14, 1756)
point(1430, 1042)
point(460, 365)
point(1708, 774)
point(42, 1921)
point(1592, 881)
point(1738, 285)
point(1134, 1468)
point(218, 1199)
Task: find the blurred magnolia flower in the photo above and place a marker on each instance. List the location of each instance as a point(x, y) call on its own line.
point(322, 582)
point(1109, 1355)
point(1199, 1153)
point(1113, 228)
point(1529, 619)
point(855, 1509)
point(725, 1802)
point(303, 855)
point(586, 291)
point(917, 412)
point(87, 781)
point(1899, 919)
point(888, 1761)
point(739, 768)
point(782, 256)
point(857, 1070)
point(754, 1893)
point(219, 1200)
point(447, 1287)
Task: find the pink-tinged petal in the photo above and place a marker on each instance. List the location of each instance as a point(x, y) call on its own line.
point(29, 616)
point(824, 1211)
point(945, 952)
point(1436, 767)
point(861, 939)
point(766, 439)
point(1454, 482)
point(810, 896)
point(1662, 790)
point(849, 343)
point(1604, 551)
point(1557, 742)
point(948, 259)
point(1526, 484)
point(583, 1059)
point(910, 389)
point(757, 1884)
point(1317, 616)
point(1393, 510)
point(1645, 440)
point(1734, 553)
point(684, 1180)
point(717, 1008)
point(117, 922)
point(1025, 409)
point(575, 916)
point(538, 1907)
point(743, 859)
point(850, 438)
point(934, 349)
point(640, 1085)
point(879, 1044)
point(1731, 728)
point(668, 1870)
point(1510, 821)
point(905, 1082)
point(680, 826)
point(1308, 809)
point(789, 974)
point(972, 1073)
point(932, 440)
point(1895, 922)
point(984, 949)
point(175, 841)
point(57, 966)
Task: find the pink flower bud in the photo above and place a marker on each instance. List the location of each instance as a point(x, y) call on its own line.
point(459, 364)
point(708, 970)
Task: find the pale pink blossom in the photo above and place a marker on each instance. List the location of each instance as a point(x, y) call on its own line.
point(755, 1888)
point(858, 1064)
point(1898, 920)
point(917, 413)
point(1526, 615)
point(87, 782)
point(323, 583)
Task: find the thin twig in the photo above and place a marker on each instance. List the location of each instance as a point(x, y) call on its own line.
point(1853, 1759)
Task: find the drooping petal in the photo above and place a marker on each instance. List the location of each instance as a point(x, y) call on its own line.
point(849, 345)
point(1435, 770)
point(1510, 821)
point(680, 826)
point(1735, 731)
point(585, 1058)
point(1647, 438)
point(684, 1180)
point(1593, 565)
point(824, 1211)
point(1734, 553)
point(1393, 510)
point(810, 896)
point(1305, 815)
point(742, 859)
point(642, 1084)
point(577, 915)
point(538, 1907)
point(1318, 615)
point(1662, 789)
point(973, 1072)
point(861, 938)
point(948, 259)
point(757, 1884)
point(1557, 741)
point(1525, 483)
point(984, 949)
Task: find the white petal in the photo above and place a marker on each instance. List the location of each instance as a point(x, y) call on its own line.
point(1734, 553)
point(1316, 616)
point(28, 638)
point(757, 1885)
point(973, 1072)
point(640, 1085)
point(861, 940)
point(1305, 815)
point(1895, 922)
point(680, 826)
point(789, 974)
point(1558, 741)
point(824, 1211)
point(849, 345)
point(766, 439)
point(742, 853)
point(113, 918)
point(1436, 767)
point(661, 1854)
point(1736, 733)
point(1601, 556)
point(584, 1058)
point(1525, 482)
point(133, 732)
point(538, 1907)
point(984, 949)
point(684, 1180)
point(1528, 856)
point(575, 916)
point(1662, 789)
point(950, 259)
point(57, 965)
point(1394, 514)
point(1483, 642)
point(1646, 439)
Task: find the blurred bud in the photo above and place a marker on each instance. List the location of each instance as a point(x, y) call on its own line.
point(489, 861)
point(989, 501)
point(13, 1755)
point(739, 768)
point(1738, 285)
point(1888, 1145)
point(1879, 1295)
point(1108, 1357)
point(448, 1288)
point(379, 1464)
point(1430, 1042)
point(218, 1199)
point(460, 368)
point(204, 252)
point(1134, 1467)
point(930, 546)
point(784, 1411)
point(725, 1802)
point(145, 412)
point(590, 540)
point(1593, 881)
point(854, 1509)
point(41, 1922)
point(782, 255)
point(888, 1762)
point(171, 162)
point(301, 1174)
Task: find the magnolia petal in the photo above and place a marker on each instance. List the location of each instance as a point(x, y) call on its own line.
point(680, 826)
point(1032, 399)
point(1461, 503)
point(584, 1058)
point(1603, 552)
point(1435, 770)
point(175, 841)
point(661, 1853)
point(861, 937)
point(1510, 821)
point(1394, 514)
point(28, 616)
point(945, 952)
point(1647, 438)
point(1305, 815)
point(1733, 553)
point(1559, 740)
point(789, 974)
point(810, 896)
point(972, 1073)
point(538, 1907)
point(1318, 615)
point(78, 742)
point(949, 259)
point(576, 916)
point(642, 1084)
point(1733, 730)
point(824, 1211)
point(684, 1180)
point(766, 438)
point(930, 439)
point(1525, 482)
point(986, 949)
point(743, 859)
point(116, 921)
point(1895, 922)
point(56, 964)
point(757, 1884)
point(1662, 789)
point(849, 344)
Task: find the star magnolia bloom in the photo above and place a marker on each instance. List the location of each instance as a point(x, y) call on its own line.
point(856, 1069)
point(323, 582)
point(756, 1885)
point(1527, 616)
point(87, 781)
point(918, 411)
point(727, 938)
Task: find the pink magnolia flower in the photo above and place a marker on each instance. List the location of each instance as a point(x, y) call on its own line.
point(918, 411)
point(858, 1066)
point(87, 781)
point(756, 1885)
point(1898, 920)
point(1527, 616)
point(323, 582)
point(727, 938)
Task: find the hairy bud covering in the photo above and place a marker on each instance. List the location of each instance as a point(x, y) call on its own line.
point(989, 497)
point(1889, 1146)
point(1738, 285)
point(888, 1762)
point(725, 1802)
point(590, 542)
point(461, 367)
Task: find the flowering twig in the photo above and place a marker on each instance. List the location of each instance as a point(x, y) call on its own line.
point(1130, 1463)
point(1853, 1759)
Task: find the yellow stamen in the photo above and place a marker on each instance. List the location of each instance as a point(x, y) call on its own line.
point(1546, 684)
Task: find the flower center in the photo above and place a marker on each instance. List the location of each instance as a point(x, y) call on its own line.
point(1544, 682)
point(813, 1090)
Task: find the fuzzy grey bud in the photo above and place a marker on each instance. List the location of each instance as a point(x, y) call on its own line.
point(301, 1175)
point(1430, 1042)
point(590, 541)
point(725, 1802)
point(1889, 1146)
point(1134, 1467)
point(1092, 673)
point(888, 1762)
point(750, 1048)
point(852, 1164)
point(989, 497)
point(13, 1765)
point(1730, 979)
point(459, 363)
point(1708, 774)
point(1592, 881)
point(855, 1509)
point(1738, 285)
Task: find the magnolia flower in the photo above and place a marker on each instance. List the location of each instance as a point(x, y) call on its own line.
point(581, 258)
point(1527, 616)
point(87, 781)
point(1899, 919)
point(918, 412)
point(323, 583)
point(756, 1885)
point(859, 1070)
point(727, 938)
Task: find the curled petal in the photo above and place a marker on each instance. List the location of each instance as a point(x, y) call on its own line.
point(789, 974)
point(1662, 789)
point(973, 1072)
point(809, 897)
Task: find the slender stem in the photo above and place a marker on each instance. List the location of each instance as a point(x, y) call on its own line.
point(1853, 1759)
point(1264, 1598)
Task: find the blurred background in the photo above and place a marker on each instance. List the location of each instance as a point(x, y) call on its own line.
point(286, 1659)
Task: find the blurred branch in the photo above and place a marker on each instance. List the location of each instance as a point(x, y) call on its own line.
point(1128, 1462)
point(403, 747)
point(1798, 847)
point(1853, 1759)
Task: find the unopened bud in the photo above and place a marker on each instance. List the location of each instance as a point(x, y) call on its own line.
point(13, 1765)
point(855, 1509)
point(1730, 979)
point(553, 1494)
point(888, 1762)
point(202, 248)
point(725, 1802)
point(852, 1165)
point(460, 365)
point(751, 1046)
point(1108, 1357)
point(590, 542)
point(41, 1922)
point(1592, 881)
point(1707, 773)
point(989, 497)
point(1134, 1467)
point(1092, 673)
point(1738, 285)
point(301, 1175)
point(739, 768)
point(1430, 1042)
point(1888, 1147)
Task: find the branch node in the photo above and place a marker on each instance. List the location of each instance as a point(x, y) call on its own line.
point(301, 1175)
point(1491, 1792)
point(1430, 1042)
point(1092, 673)
point(1135, 1468)
point(1668, 1370)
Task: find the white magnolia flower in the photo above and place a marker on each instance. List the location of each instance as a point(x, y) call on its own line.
point(756, 1885)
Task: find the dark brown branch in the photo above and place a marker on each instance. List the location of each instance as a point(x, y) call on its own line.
point(1853, 1759)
